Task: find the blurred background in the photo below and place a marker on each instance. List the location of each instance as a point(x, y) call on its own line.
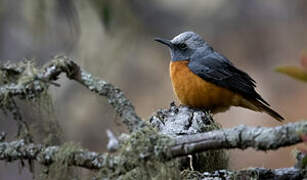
point(113, 39)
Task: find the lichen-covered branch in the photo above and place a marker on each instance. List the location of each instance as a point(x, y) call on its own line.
point(114, 95)
point(31, 82)
point(142, 147)
point(19, 150)
point(251, 173)
point(20, 80)
point(150, 150)
point(242, 137)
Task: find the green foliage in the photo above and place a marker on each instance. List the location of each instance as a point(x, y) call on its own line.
point(298, 73)
point(294, 72)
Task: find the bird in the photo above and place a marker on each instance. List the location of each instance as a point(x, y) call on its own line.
point(203, 78)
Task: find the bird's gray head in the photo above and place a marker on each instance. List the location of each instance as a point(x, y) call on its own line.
point(185, 45)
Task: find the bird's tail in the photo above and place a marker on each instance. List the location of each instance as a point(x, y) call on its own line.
point(256, 105)
point(264, 108)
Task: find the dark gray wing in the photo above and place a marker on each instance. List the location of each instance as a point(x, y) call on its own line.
point(218, 70)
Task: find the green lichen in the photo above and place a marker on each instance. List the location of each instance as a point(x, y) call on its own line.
point(60, 168)
point(19, 81)
point(20, 86)
point(142, 157)
point(45, 125)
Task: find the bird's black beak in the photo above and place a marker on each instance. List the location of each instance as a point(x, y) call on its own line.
point(164, 41)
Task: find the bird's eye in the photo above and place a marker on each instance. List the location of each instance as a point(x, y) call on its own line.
point(182, 46)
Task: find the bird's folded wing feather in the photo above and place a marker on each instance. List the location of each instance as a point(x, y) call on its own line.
point(218, 70)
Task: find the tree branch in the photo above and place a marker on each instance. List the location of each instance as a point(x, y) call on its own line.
point(251, 173)
point(242, 137)
point(36, 81)
point(186, 126)
point(115, 96)
point(19, 150)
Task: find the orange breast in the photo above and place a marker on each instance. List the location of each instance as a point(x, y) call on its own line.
point(193, 91)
